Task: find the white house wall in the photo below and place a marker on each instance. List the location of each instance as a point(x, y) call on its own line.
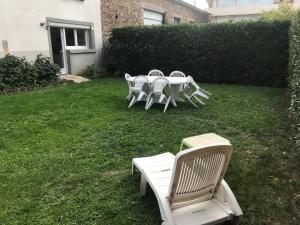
point(21, 19)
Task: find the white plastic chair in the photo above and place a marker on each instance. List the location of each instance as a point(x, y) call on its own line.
point(192, 92)
point(140, 89)
point(158, 93)
point(189, 187)
point(130, 87)
point(156, 73)
point(177, 74)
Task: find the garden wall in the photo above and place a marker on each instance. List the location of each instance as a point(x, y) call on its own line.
point(254, 53)
point(294, 75)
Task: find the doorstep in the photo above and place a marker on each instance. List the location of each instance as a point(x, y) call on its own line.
point(76, 79)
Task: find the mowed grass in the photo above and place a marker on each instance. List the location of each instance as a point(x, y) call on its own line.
point(65, 153)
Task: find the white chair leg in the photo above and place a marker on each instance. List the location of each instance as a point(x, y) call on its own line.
point(132, 101)
point(204, 91)
point(148, 99)
point(167, 103)
point(198, 92)
point(188, 98)
point(199, 100)
point(129, 96)
point(143, 185)
point(161, 98)
point(193, 103)
point(173, 101)
point(141, 95)
point(151, 101)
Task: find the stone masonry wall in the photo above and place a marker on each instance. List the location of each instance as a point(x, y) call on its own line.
point(173, 9)
point(121, 13)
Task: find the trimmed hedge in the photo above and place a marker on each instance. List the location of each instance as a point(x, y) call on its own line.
point(294, 75)
point(254, 53)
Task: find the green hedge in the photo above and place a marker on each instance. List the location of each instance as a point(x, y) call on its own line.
point(294, 75)
point(18, 73)
point(253, 53)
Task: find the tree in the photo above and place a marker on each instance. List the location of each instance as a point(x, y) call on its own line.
point(284, 11)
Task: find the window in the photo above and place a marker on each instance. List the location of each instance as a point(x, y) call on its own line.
point(244, 2)
point(153, 18)
point(81, 37)
point(263, 2)
point(76, 38)
point(177, 20)
point(226, 3)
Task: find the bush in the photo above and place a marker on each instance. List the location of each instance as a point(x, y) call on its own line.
point(253, 53)
point(47, 71)
point(91, 72)
point(16, 72)
point(294, 75)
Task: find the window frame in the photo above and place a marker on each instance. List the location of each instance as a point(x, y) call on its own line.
point(150, 19)
point(76, 46)
point(177, 20)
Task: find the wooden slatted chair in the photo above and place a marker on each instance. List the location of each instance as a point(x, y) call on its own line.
point(189, 187)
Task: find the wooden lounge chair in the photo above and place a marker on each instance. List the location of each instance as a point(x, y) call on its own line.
point(189, 187)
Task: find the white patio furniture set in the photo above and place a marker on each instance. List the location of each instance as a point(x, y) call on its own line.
point(156, 88)
point(189, 186)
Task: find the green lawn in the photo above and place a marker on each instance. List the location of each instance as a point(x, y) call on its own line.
point(65, 153)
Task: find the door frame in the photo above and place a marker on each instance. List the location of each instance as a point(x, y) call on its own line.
point(62, 24)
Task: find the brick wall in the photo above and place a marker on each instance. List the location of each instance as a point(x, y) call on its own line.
point(121, 13)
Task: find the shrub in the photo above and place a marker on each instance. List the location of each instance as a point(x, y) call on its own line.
point(91, 72)
point(16, 72)
point(294, 75)
point(47, 71)
point(253, 53)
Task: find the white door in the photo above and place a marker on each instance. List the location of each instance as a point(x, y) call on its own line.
point(153, 18)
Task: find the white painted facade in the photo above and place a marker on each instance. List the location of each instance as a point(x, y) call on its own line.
point(236, 10)
point(24, 24)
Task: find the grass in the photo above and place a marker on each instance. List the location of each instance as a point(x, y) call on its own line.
point(65, 153)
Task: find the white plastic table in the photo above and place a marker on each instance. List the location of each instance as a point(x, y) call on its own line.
point(175, 85)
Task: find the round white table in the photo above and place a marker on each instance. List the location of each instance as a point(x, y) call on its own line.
point(175, 82)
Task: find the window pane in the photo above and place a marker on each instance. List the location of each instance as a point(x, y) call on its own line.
point(177, 20)
point(226, 3)
point(244, 2)
point(70, 39)
point(152, 18)
point(81, 37)
point(263, 2)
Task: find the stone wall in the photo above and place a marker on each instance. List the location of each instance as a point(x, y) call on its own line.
point(173, 9)
point(121, 13)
